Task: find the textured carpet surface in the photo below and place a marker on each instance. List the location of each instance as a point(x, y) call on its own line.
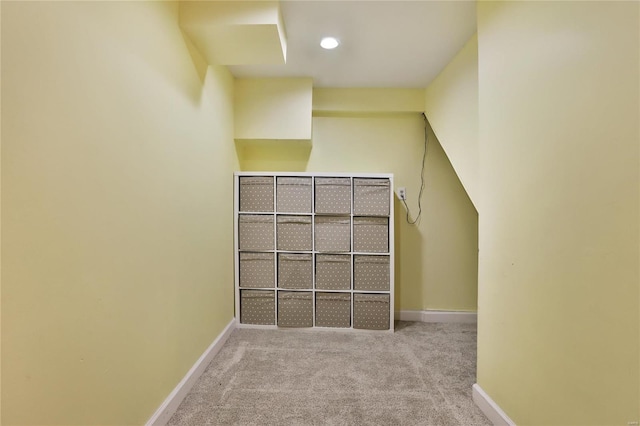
point(419, 375)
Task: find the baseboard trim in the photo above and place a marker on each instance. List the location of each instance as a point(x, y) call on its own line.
point(438, 316)
point(170, 405)
point(490, 409)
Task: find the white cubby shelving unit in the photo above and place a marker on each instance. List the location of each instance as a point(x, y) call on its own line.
point(277, 252)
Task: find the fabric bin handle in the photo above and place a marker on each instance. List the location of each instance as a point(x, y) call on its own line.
point(247, 294)
point(334, 182)
point(370, 221)
point(256, 256)
point(256, 218)
point(294, 181)
point(256, 181)
point(299, 296)
point(331, 221)
point(338, 297)
point(371, 182)
point(373, 259)
point(295, 257)
point(321, 260)
point(290, 219)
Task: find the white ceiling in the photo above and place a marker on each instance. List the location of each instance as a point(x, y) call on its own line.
point(383, 43)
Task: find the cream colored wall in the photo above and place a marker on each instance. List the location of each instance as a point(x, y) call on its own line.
point(559, 257)
point(451, 103)
point(362, 100)
point(116, 248)
point(0, 216)
point(273, 108)
point(436, 263)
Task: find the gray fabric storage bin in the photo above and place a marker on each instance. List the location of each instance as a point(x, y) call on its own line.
point(333, 271)
point(294, 233)
point(371, 196)
point(295, 309)
point(295, 270)
point(371, 273)
point(333, 310)
point(256, 193)
point(371, 311)
point(257, 307)
point(255, 232)
point(257, 270)
point(371, 234)
point(293, 194)
point(333, 195)
point(333, 234)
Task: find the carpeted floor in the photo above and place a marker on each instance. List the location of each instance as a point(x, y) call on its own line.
point(419, 375)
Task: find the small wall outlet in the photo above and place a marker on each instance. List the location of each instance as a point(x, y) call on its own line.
point(402, 193)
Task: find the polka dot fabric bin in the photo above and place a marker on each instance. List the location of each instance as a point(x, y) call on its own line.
point(294, 233)
point(295, 309)
point(333, 234)
point(333, 271)
point(333, 310)
point(371, 311)
point(295, 270)
point(294, 195)
point(256, 232)
point(257, 270)
point(371, 197)
point(371, 273)
point(371, 234)
point(256, 194)
point(257, 307)
point(333, 195)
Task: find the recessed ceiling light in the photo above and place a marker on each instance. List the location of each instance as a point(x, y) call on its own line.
point(329, 43)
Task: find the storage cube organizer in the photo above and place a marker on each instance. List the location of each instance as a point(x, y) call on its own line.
point(256, 232)
point(371, 311)
point(333, 310)
point(257, 307)
point(333, 271)
point(333, 234)
point(333, 195)
point(294, 233)
point(371, 273)
point(371, 234)
point(295, 309)
point(293, 194)
point(314, 249)
point(295, 270)
point(371, 197)
point(257, 270)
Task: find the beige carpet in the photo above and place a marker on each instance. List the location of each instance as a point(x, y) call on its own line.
point(419, 375)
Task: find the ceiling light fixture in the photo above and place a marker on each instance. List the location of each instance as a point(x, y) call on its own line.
point(329, 43)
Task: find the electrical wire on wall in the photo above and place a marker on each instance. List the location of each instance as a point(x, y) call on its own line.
point(424, 157)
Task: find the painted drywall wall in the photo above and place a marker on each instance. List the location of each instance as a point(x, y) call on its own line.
point(436, 262)
point(451, 103)
point(558, 269)
point(273, 108)
point(116, 248)
point(340, 101)
point(0, 217)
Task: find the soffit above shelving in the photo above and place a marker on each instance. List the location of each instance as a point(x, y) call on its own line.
point(236, 32)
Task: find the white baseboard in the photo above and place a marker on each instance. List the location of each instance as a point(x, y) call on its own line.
point(409, 316)
point(170, 405)
point(490, 409)
point(438, 316)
